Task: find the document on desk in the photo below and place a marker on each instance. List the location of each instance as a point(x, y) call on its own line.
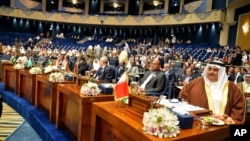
point(107, 85)
point(179, 87)
point(183, 105)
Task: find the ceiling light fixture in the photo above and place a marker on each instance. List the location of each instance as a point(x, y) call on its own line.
point(74, 1)
point(155, 3)
point(115, 5)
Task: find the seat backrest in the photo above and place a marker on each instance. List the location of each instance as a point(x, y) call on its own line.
point(179, 71)
point(166, 90)
point(170, 86)
point(177, 65)
point(72, 59)
point(114, 71)
point(5, 57)
point(41, 59)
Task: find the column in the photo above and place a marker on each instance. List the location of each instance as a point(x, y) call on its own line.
point(102, 6)
point(224, 34)
point(181, 6)
point(230, 15)
point(44, 5)
point(141, 7)
point(12, 3)
point(228, 22)
point(166, 4)
point(209, 5)
point(86, 9)
point(126, 6)
point(60, 3)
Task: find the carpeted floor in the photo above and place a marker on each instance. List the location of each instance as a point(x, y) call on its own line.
point(24, 133)
point(37, 118)
point(9, 121)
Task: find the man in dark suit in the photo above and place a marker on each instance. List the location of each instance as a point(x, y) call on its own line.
point(113, 60)
point(82, 66)
point(183, 80)
point(119, 70)
point(169, 71)
point(237, 58)
point(186, 78)
point(236, 77)
point(154, 80)
point(105, 73)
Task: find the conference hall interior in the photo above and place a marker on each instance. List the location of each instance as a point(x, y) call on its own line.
point(43, 44)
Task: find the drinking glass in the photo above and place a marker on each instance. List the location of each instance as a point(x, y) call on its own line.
point(87, 74)
point(134, 87)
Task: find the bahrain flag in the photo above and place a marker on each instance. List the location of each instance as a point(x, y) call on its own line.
point(121, 88)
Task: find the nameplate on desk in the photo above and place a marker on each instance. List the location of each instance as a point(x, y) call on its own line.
point(138, 104)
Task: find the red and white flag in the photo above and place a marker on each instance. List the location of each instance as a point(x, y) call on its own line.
point(121, 88)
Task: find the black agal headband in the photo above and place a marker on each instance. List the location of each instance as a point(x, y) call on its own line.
point(217, 63)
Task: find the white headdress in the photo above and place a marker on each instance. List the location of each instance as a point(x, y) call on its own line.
point(22, 50)
point(222, 79)
point(217, 88)
point(244, 76)
point(63, 52)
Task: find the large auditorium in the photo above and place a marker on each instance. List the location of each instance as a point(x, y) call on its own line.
point(124, 70)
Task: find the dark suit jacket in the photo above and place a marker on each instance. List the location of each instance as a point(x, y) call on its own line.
point(232, 77)
point(156, 83)
point(114, 61)
point(171, 75)
point(106, 74)
point(196, 73)
point(119, 70)
point(82, 67)
point(237, 60)
point(183, 77)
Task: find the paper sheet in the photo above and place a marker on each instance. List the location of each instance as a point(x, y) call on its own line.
point(183, 105)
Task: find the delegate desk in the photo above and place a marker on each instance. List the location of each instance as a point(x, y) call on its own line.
point(109, 121)
point(26, 85)
point(10, 77)
point(80, 80)
point(73, 111)
point(45, 94)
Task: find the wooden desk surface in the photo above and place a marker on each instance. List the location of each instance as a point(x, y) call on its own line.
point(26, 85)
point(80, 80)
point(111, 121)
point(7, 63)
point(73, 111)
point(45, 94)
point(10, 77)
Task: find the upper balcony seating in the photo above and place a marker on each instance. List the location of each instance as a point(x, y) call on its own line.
point(9, 38)
point(197, 50)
